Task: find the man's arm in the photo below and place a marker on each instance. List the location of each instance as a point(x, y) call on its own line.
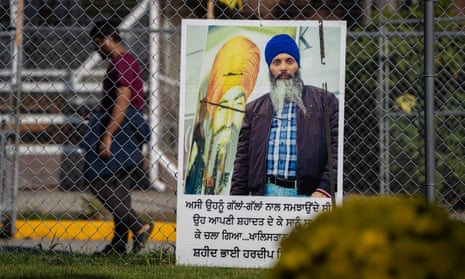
point(324, 191)
point(117, 116)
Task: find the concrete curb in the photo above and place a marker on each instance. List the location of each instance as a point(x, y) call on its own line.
point(83, 230)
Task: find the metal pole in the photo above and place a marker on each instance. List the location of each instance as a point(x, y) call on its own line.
point(154, 94)
point(429, 101)
point(16, 84)
point(380, 108)
point(154, 87)
point(383, 109)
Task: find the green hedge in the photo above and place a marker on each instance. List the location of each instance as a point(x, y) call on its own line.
point(376, 238)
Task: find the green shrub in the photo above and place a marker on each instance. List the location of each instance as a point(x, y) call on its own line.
point(376, 238)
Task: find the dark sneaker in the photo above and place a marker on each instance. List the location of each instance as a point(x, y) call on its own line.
point(119, 249)
point(141, 239)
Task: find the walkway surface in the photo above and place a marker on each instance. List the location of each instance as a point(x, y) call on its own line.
point(83, 235)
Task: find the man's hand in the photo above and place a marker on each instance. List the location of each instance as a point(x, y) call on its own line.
point(317, 194)
point(104, 147)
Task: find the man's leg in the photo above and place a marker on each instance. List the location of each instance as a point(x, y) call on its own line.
point(122, 202)
point(105, 189)
point(140, 230)
point(121, 234)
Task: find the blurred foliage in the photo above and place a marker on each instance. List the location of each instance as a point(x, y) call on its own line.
point(377, 237)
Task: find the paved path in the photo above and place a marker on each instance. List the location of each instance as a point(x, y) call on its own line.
point(85, 236)
point(68, 205)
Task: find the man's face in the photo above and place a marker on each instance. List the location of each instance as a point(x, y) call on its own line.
point(225, 120)
point(283, 66)
point(102, 46)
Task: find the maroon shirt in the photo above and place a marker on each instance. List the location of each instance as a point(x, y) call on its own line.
point(123, 70)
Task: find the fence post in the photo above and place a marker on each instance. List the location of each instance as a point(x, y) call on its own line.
point(429, 101)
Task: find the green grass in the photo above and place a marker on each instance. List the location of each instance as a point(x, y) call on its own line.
point(46, 264)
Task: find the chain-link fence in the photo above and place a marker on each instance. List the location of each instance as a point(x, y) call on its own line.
point(50, 80)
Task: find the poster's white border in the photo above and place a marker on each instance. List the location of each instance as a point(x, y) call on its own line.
point(182, 199)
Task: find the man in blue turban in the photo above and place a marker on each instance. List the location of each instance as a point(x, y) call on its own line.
point(286, 153)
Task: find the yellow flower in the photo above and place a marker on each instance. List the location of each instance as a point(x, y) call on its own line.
point(232, 3)
point(406, 102)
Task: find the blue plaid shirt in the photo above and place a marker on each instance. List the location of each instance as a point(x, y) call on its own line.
point(282, 144)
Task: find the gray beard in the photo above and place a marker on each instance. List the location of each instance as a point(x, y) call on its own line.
point(287, 90)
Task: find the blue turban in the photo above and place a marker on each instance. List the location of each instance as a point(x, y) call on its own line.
point(281, 43)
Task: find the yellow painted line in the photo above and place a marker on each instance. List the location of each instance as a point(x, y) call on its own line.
point(83, 230)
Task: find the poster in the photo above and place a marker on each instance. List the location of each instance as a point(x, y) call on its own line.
point(222, 69)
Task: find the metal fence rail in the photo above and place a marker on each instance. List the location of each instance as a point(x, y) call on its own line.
point(51, 81)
